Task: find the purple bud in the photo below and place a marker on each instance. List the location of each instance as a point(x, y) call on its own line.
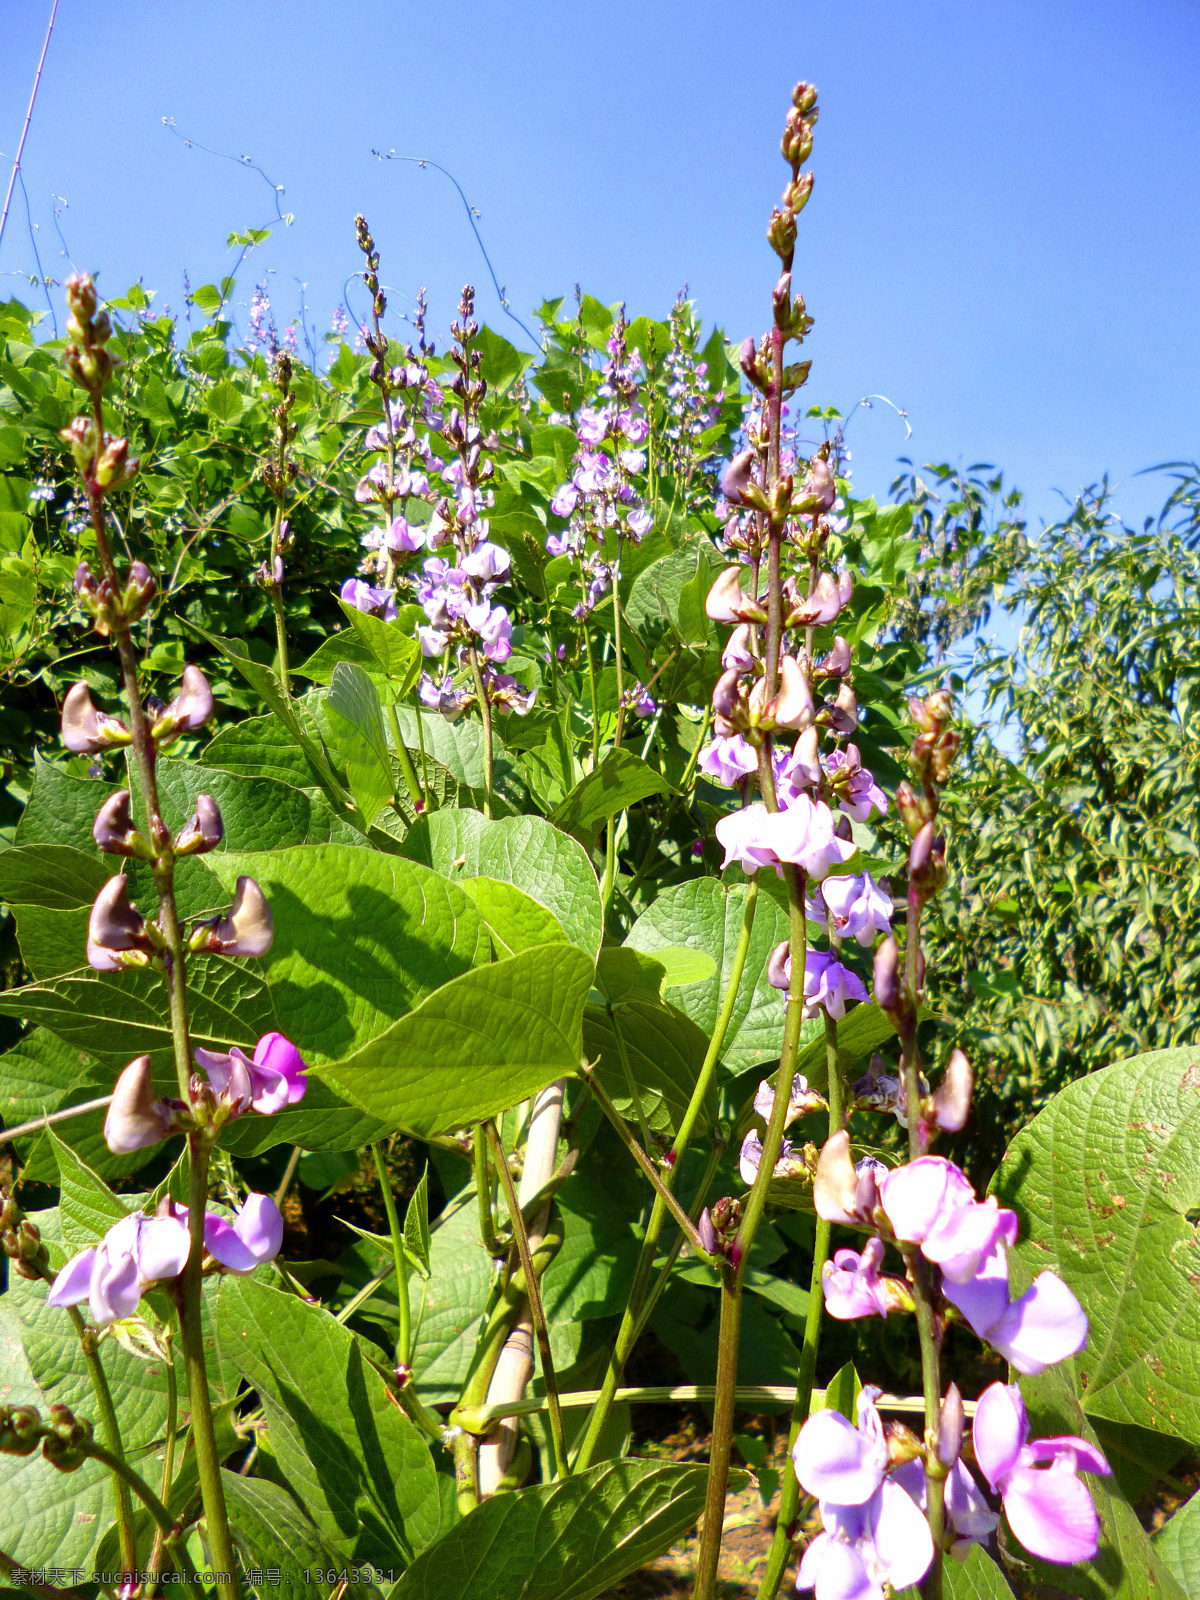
point(189, 710)
point(205, 830)
point(779, 966)
point(86, 730)
point(748, 355)
point(140, 589)
point(136, 1117)
point(114, 831)
point(887, 966)
point(115, 924)
point(708, 1234)
point(726, 695)
point(737, 481)
point(951, 1427)
point(247, 928)
point(837, 661)
point(952, 1098)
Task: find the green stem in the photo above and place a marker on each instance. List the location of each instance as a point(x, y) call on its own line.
point(137, 1483)
point(485, 708)
point(289, 1172)
point(483, 1195)
point(616, 594)
point(204, 1439)
point(421, 747)
point(404, 1339)
point(168, 1471)
point(281, 639)
point(789, 1498)
point(643, 1160)
point(533, 1294)
point(406, 766)
point(660, 1283)
point(28, 1585)
point(733, 1274)
point(112, 1432)
point(478, 1419)
point(628, 1331)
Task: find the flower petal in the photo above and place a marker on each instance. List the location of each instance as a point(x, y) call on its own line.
point(917, 1196)
point(901, 1537)
point(1052, 1514)
point(1047, 1324)
point(841, 1575)
point(259, 1225)
point(834, 1461)
point(224, 1245)
point(983, 1299)
point(73, 1282)
point(999, 1430)
point(970, 1513)
point(164, 1245)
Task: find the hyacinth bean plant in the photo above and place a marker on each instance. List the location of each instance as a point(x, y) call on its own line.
point(564, 884)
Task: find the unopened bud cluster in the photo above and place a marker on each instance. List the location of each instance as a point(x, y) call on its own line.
point(21, 1240)
point(65, 1439)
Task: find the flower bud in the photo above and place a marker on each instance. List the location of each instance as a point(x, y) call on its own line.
point(708, 1234)
point(837, 662)
point(842, 712)
point(781, 233)
point(927, 863)
point(951, 1103)
point(738, 484)
point(914, 809)
point(728, 602)
point(189, 710)
point(115, 924)
point(246, 929)
point(205, 830)
point(80, 290)
point(66, 1438)
point(140, 589)
point(114, 830)
point(749, 362)
point(902, 1444)
point(817, 492)
point(116, 467)
point(136, 1117)
point(835, 1187)
point(81, 438)
point(887, 976)
point(792, 706)
point(86, 730)
point(20, 1430)
point(951, 1426)
point(726, 695)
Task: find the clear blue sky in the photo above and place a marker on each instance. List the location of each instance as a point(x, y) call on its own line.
point(1003, 236)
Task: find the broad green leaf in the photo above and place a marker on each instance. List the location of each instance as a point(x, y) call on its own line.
point(526, 851)
point(1178, 1543)
point(565, 1541)
point(88, 1207)
point(664, 1050)
point(261, 747)
point(394, 654)
point(706, 916)
point(258, 813)
point(322, 1121)
point(358, 1466)
point(53, 943)
point(626, 974)
point(684, 966)
point(619, 781)
point(54, 876)
point(842, 1391)
point(479, 1044)
point(270, 1531)
point(1127, 1566)
point(416, 1222)
point(976, 1578)
point(503, 363)
point(459, 748)
point(347, 645)
point(353, 701)
point(61, 808)
point(1106, 1182)
point(592, 1274)
point(514, 919)
point(41, 1074)
point(360, 938)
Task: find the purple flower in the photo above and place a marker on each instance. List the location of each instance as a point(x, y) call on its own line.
point(798, 769)
point(632, 460)
point(592, 425)
point(640, 522)
point(801, 1101)
point(737, 654)
point(494, 627)
point(564, 502)
point(273, 1079)
point(1048, 1508)
point(728, 760)
point(972, 1518)
point(433, 643)
point(803, 835)
point(86, 730)
point(253, 1237)
point(860, 908)
point(1044, 1326)
point(404, 536)
point(826, 981)
point(489, 563)
point(136, 1117)
point(189, 710)
point(635, 428)
point(874, 1532)
point(135, 1253)
point(842, 1191)
point(358, 593)
point(862, 792)
point(114, 927)
point(930, 1202)
point(854, 1287)
point(787, 1163)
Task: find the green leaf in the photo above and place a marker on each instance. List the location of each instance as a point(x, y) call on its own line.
point(41, 1074)
point(416, 1223)
point(503, 363)
point(270, 1531)
point(394, 654)
point(564, 1541)
point(620, 781)
point(459, 748)
point(261, 747)
point(526, 851)
point(347, 645)
point(684, 966)
point(88, 1206)
point(207, 298)
point(55, 876)
point(1178, 1543)
point(860, 1031)
point(476, 1046)
point(976, 1578)
point(259, 813)
point(360, 938)
point(322, 1121)
point(665, 1051)
point(1106, 1182)
point(592, 1274)
point(353, 1459)
point(842, 1391)
point(61, 808)
point(706, 916)
point(353, 701)
point(514, 919)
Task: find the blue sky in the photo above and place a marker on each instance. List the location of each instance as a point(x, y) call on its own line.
point(1003, 236)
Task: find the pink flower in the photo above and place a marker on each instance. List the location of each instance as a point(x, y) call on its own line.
point(728, 760)
point(1048, 1508)
point(827, 982)
point(253, 1237)
point(136, 1252)
point(276, 1077)
point(860, 908)
point(136, 1117)
point(854, 1287)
